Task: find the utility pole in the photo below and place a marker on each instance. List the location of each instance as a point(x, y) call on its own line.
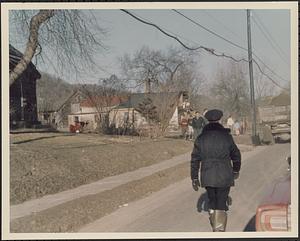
point(255, 138)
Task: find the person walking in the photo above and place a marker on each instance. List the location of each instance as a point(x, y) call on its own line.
point(184, 125)
point(243, 126)
point(198, 123)
point(220, 161)
point(190, 132)
point(236, 128)
point(230, 122)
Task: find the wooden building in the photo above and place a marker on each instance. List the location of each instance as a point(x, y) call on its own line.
point(22, 93)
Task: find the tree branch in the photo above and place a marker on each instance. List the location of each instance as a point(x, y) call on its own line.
point(32, 44)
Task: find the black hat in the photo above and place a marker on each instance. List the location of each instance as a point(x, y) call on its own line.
point(213, 115)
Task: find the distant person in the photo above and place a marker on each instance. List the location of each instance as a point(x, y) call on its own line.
point(220, 161)
point(243, 126)
point(230, 123)
point(184, 125)
point(203, 115)
point(190, 132)
point(236, 128)
point(198, 124)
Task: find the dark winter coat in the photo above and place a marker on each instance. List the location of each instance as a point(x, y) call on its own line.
point(198, 123)
point(218, 154)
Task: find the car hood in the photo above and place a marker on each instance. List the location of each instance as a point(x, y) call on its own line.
point(279, 192)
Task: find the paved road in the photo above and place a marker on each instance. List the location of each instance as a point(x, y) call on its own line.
point(177, 208)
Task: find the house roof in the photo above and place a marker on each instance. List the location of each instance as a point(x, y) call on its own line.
point(157, 98)
point(264, 101)
point(280, 100)
point(14, 58)
point(75, 93)
point(108, 100)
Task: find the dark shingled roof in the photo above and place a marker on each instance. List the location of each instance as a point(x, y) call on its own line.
point(281, 100)
point(157, 98)
point(264, 101)
point(14, 58)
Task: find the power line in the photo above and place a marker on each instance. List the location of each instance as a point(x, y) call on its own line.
point(210, 31)
point(270, 40)
point(270, 35)
point(224, 26)
point(153, 25)
point(210, 50)
point(232, 43)
point(220, 22)
point(274, 82)
point(270, 68)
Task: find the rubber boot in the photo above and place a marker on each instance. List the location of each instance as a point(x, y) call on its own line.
point(218, 220)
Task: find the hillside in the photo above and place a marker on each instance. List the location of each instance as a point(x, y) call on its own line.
point(51, 92)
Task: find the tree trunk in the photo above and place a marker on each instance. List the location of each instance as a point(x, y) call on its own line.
point(32, 43)
point(147, 86)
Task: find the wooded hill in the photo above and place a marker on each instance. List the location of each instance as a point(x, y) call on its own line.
point(51, 92)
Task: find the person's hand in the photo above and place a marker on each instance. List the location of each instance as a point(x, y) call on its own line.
point(195, 184)
point(236, 175)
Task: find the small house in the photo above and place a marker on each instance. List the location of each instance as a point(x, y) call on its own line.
point(143, 109)
point(92, 110)
point(61, 115)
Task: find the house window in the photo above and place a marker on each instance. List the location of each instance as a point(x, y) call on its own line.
point(76, 118)
point(46, 116)
point(75, 108)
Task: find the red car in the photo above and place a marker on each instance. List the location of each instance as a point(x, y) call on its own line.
point(274, 211)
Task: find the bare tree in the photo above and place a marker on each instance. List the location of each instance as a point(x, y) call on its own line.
point(174, 70)
point(263, 87)
point(158, 110)
point(169, 72)
point(70, 36)
point(165, 110)
point(143, 67)
point(180, 71)
point(231, 89)
point(188, 77)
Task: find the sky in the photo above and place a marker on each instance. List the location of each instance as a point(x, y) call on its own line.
point(127, 35)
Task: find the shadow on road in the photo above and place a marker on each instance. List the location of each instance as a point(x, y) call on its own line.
point(37, 139)
point(279, 141)
point(250, 227)
point(202, 204)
